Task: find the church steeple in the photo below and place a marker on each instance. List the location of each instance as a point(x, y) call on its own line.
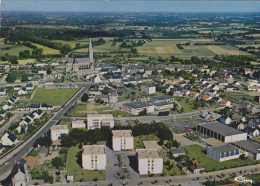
point(90, 51)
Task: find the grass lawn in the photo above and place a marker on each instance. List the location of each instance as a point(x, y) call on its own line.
point(173, 171)
point(47, 50)
point(199, 153)
point(55, 97)
point(13, 50)
point(34, 153)
point(138, 141)
point(78, 172)
point(188, 106)
point(236, 97)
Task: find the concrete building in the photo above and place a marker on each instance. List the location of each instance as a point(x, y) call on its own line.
point(78, 124)
point(99, 120)
point(94, 157)
point(221, 132)
point(223, 152)
point(250, 149)
point(136, 107)
point(161, 98)
point(57, 130)
point(149, 89)
point(178, 152)
point(122, 140)
point(149, 162)
point(163, 105)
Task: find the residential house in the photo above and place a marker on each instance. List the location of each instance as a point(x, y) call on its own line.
point(252, 131)
point(194, 94)
point(22, 91)
point(94, 157)
point(181, 92)
point(29, 86)
point(238, 125)
point(19, 174)
point(149, 89)
point(122, 140)
point(2, 91)
point(224, 102)
point(230, 88)
point(225, 120)
point(9, 139)
point(196, 167)
point(168, 87)
point(42, 152)
point(254, 123)
point(238, 117)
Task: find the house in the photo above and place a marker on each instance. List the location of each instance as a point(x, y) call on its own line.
point(238, 125)
point(45, 106)
point(149, 89)
point(96, 79)
point(29, 86)
point(252, 131)
point(168, 87)
point(2, 120)
point(58, 130)
point(2, 113)
point(225, 120)
point(215, 87)
point(7, 106)
point(42, 71)
point(22, 91)
point(149, 162)
point(18, 174)
point(178, 152)
point(254, 123)
point(223, 152)
point(224, 102)
point(115, 79)
point(181, 92)
point(207, 97)
point(99, 120)
point(94, 157)
point(255, 110)
point(161, 98)
point(122, 140)
point(216, 99)
point(196, 167)
point(9, 139)
point(23, 108)
point(194, 94)
point(2, 91)
point(230, 88)
point(136, 107)
point(239, 118)
point(35, 107)
point(37, 114)
point(42, 152)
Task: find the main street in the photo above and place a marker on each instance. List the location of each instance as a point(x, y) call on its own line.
point(22, 150)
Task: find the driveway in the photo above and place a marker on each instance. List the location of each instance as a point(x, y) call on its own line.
point(110, 168)
point(185, 141)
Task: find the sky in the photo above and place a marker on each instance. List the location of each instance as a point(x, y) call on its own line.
point(130, 6)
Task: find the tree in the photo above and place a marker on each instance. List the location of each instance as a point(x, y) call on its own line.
point(192, 80)
point(85, 97)
point(143, 113)
point(12, 59)
point(67, 141)
point(49, 70)
point(65, 49)
point(43, 141)
point(57, 162)
point(182, 109)
point(11, 76)
point(24, 77)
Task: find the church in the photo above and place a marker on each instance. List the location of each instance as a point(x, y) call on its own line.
point(81, 66)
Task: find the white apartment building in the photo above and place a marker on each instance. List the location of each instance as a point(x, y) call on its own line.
point(136, 107)
point(122, 140)
point(57, 130)
point(149, 89)
point(149, 162)
point(94, 157)
point(99, 120)
point(78, 124)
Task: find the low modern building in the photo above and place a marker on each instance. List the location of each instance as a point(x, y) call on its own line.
point(58, 130)
point(149, 162)
point(136, 107)
point(94, 157)
point(221, 132)
point(161, 98)
point(248, 148)
point(122, 140)
point(78, 124)
point(178, 152)
point(149, 89)
point(163, 105)
point(223, 152)
point(99, 120)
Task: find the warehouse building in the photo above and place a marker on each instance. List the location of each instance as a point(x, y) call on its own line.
point(221, 132)
point(161, 98)
point(136, 107)
point(249, 149)
point(223, 152)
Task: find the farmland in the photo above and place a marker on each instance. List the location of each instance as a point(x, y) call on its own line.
point(12, 49)
point(47, 50)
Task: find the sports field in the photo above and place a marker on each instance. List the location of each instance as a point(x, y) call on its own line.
point(55, 97)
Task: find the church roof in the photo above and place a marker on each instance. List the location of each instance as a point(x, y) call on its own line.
point(78, 60)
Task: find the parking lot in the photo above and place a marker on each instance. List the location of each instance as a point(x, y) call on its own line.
point(180, 125)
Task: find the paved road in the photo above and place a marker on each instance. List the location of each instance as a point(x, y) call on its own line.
point(185, 141)
point(14, 119)
point(22, 150)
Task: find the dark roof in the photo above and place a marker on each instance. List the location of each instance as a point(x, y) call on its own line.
point(137, 104)
point(197, 166)
point(29, 85)
point(249, 146)
point(223, 148)
point(1, 118)
point(39, 111)
point(35, 106)
point(178, 150)
point(46, 105)
point(162, 103)
point(250, 130)
point(220, 128)
point(161, 97)
point(78, 60)
point(22, 161)
point(31, 115)
point(18, 167)
point(27, 120)
point(12, 137)
point(2, 111)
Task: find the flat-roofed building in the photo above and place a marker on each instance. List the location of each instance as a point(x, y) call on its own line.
point(161, 98)
point(221, 132)
point(136, 107)
point(94, 157)
point(149, 162)
point(122, 140)
point(78, 124)
point(178, 152)
point(251, 149)
point(163, 105)
point(149, 89)
point(100, 120)
point(223, 152)
point(58, 130)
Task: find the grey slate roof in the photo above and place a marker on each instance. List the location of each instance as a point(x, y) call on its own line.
point(177, 151)
point(137, 104)
point(161, 97)
point(223, 148)
point(252, 147)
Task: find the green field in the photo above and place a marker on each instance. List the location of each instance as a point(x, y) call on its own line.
point(78, 172)
point(47, 50)
point(236, 97)
point(199, 153)
point(14, 49)
point(55, 97)
point(174, 171)
point(138, 140)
